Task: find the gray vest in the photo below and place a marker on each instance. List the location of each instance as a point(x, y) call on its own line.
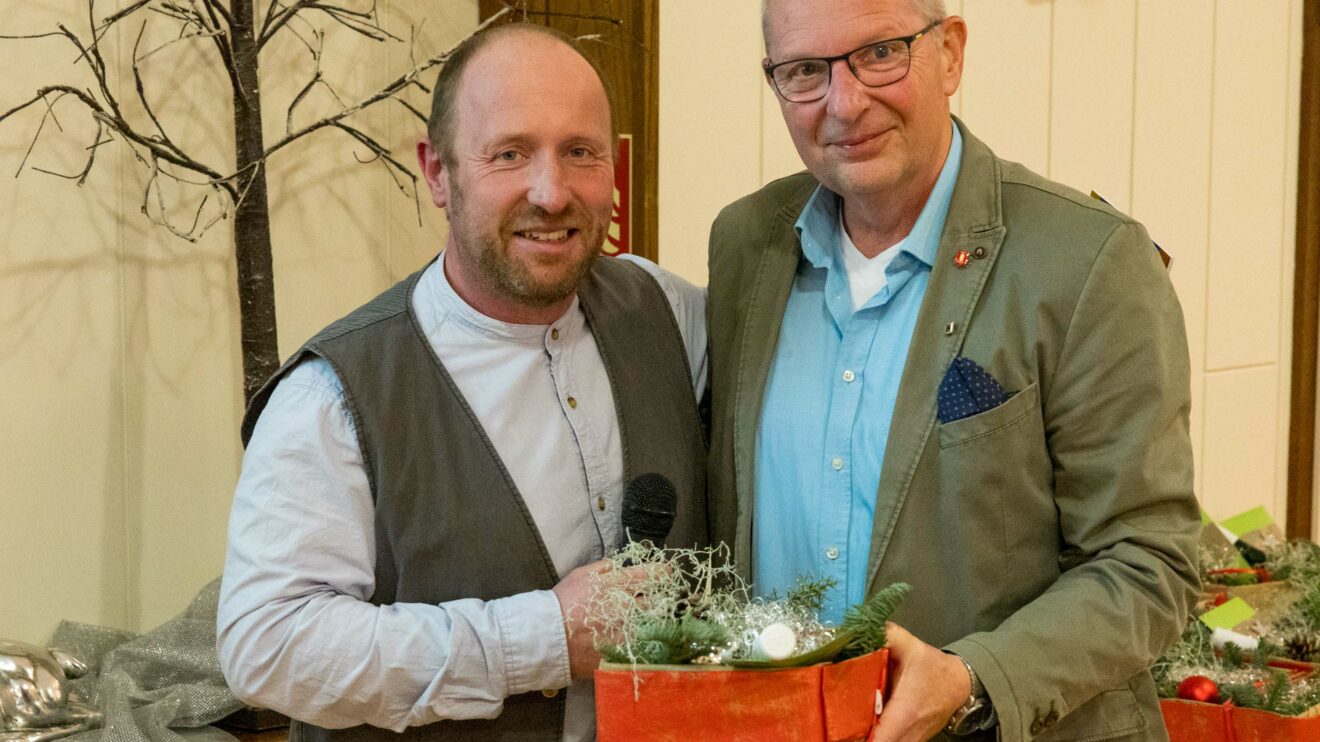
point(449, 522)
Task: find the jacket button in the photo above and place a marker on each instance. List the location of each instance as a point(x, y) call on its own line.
point(978, 253)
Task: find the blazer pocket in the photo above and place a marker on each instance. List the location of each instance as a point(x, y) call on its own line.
point(968, 429)
point(1112, 715)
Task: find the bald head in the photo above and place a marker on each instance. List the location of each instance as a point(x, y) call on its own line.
point(930, 10)
point(442, 125)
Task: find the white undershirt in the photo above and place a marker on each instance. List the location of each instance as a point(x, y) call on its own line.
point(866, 276)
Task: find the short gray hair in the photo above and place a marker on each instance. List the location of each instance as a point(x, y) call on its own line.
point(930, 10)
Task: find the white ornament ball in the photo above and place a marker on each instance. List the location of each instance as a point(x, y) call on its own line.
point(775, 642)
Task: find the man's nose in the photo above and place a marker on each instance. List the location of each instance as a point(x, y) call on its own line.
point(847, 97)
point(549, 187)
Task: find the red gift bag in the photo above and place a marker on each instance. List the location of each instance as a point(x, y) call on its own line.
point(678, 703)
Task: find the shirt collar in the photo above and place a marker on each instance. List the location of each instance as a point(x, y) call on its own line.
point(436, 300)
point(818, 225)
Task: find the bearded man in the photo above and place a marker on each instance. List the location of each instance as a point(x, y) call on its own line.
point(430, 481)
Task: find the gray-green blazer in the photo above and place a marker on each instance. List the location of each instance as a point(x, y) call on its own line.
point(1050, 541)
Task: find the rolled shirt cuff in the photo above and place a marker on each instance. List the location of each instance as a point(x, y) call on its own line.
point(534, 642)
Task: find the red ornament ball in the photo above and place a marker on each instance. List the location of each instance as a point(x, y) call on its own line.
point(1199, 688)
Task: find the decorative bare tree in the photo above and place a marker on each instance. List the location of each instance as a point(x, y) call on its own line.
point(237, 34)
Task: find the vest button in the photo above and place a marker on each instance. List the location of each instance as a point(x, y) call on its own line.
point(554, 334)
point(550, 692)
point(572, 403)
point(600, 503)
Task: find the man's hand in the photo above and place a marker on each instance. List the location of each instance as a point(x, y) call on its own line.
point(927, 687)
point(572, 592)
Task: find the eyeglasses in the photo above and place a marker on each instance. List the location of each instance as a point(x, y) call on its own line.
point(875, 65)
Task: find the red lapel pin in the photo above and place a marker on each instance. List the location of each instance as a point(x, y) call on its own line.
point(962, 258)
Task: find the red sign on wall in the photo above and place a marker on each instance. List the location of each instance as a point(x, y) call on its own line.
point(619, 239)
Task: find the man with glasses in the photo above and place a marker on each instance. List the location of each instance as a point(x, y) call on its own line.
point(934, 366)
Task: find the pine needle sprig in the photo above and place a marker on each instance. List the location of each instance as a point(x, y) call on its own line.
point(667, 642)
point(808, 596)
point(865, 622)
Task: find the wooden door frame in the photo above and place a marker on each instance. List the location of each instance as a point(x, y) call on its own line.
point(1306, 287)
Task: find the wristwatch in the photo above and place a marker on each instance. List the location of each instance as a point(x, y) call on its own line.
point(977, 713)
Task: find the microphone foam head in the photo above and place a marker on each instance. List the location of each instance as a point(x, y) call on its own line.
point(650, 503)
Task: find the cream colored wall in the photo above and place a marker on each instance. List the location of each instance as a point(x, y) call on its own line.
point(1180, 112)
point(118, 344)
point(122, 387)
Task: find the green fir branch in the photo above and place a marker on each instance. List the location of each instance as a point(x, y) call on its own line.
point(865, 622)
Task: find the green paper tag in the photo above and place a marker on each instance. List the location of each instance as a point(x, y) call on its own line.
point(1228, 615)
point(1245, 523)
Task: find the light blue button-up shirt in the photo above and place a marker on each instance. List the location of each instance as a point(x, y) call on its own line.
point(829, 402)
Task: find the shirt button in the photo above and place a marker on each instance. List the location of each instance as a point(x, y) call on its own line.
point(837, 463)
point(550, 692)
point(849, 375)
point(572, 402)
point(554, 334)
point(832, 553)
point(600, 503)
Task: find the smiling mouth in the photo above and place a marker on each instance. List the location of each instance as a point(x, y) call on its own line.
point(855, 141)
point(555, 236)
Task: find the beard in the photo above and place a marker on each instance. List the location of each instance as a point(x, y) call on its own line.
point(527, 281)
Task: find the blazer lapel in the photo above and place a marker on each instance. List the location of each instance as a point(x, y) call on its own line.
point(771, 286)
point(974, 222)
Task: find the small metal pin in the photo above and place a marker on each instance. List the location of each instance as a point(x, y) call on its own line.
point(950, 328)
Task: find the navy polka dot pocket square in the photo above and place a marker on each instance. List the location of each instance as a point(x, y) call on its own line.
point(968, 389)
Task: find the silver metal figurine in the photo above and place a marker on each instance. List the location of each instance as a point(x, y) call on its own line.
point(34, 694)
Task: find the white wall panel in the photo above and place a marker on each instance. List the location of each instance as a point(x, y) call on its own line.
point(711, 122)
point(1091, 97)
point(1247, 182)
point(1241, 409)
point(1171, 160)
point(61, 357)
point(1008, 67)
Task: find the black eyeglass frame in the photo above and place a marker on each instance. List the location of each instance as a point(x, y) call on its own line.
point(769, 68)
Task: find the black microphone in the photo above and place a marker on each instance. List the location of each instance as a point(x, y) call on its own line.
point(649, 505)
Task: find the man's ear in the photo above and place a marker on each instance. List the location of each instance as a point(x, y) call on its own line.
point(435, 173)
point(954, 40)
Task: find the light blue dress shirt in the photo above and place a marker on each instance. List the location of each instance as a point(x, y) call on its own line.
point(829, 402)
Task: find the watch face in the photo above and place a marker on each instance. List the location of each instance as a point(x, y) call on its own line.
point(974, 720)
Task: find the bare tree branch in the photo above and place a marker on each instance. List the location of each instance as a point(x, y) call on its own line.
point(393, 167)
point(121, 127)
point(219, 13)
point(142, 96)
point(126, 12)
point(276, 17)
point(386, 93)
point(31, 36)
point(49, 114)
point(87, 167)
point(423, 117)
